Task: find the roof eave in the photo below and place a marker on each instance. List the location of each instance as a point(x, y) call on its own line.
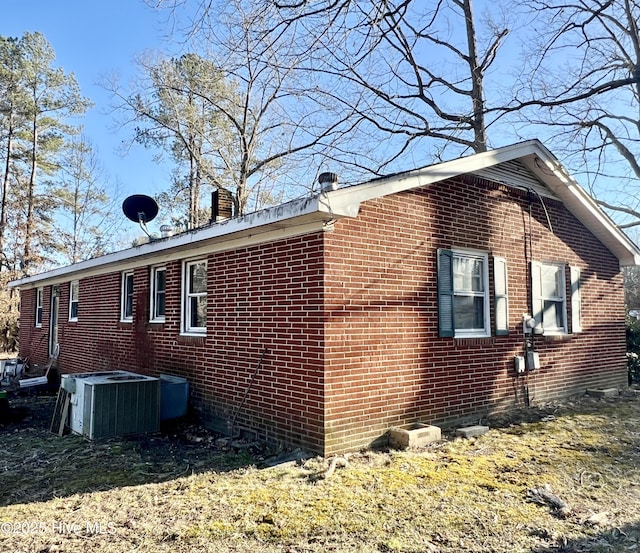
point(550, 171)
point(285, 217)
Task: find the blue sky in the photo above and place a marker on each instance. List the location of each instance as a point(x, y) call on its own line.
point(93, 38)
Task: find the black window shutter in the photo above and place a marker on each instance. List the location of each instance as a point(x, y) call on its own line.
point(446, 328)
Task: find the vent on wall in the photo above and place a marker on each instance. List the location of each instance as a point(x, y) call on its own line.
point(109, 404)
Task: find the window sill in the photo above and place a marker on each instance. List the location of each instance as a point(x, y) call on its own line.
point(194, 334)
point(463, 336)
point(556, 336)
point(193, 339)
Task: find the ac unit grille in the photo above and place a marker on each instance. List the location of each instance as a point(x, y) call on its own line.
point(116, 403)
point(122, 408)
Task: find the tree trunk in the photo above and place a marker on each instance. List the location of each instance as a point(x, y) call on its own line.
point(31, 195)
point(477, 92)
point(5, 184)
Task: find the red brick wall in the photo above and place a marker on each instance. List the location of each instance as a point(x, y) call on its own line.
point(347, 322)
point(34, 341)
point(264, 302)
point(386, 365)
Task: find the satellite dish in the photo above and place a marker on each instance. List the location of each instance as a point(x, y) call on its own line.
point(140, 208)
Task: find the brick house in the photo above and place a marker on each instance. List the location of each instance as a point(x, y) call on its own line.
point(325, 321)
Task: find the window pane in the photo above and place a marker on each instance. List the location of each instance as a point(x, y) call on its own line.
point(197, 278)
point(158, 302)
point(160, 281)
point(469, 312)
point(159, 305)
point(129, 305)
point(552, 314)
point(198, 312)
point(551, 282)
point(73, 300)
point(127, 311)
point(468, 274)
point(39, 306)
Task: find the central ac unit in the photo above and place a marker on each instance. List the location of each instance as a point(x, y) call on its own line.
point(115, 403)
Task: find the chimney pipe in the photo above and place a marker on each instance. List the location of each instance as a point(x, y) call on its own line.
point(328, 181)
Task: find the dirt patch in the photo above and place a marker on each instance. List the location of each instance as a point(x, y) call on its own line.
point(38, 465)
point(559, 478)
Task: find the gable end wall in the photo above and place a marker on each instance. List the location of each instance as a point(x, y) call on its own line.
point(385, 364)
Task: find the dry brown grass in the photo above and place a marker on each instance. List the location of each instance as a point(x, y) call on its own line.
point(165, 493)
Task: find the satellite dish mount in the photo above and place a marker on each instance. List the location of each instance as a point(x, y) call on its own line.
point(140, 209)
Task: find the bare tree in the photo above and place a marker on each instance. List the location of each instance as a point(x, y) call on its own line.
point(269, 116)
point(580, 86)
point(420, 66)
point(404, 72)
point(83, 206)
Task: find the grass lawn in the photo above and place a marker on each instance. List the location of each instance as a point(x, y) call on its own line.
point(181, 492)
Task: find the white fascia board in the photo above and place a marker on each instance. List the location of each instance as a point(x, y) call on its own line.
point(348, 198)
point(289, 219)
point(534, 155)
point(293, 218)
point(550, 171)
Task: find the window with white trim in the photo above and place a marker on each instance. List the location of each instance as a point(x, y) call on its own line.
point(74, 300)
point(548, 290)
point(463, 294)
point(158, 287)
point(194, 299)
point(38, 314)
point(126, 297)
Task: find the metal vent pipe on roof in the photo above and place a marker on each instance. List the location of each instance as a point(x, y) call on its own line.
point(328, 181)
point(166, 231)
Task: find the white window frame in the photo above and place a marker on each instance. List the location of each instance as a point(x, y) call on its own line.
point(74, 298)
point(187, 297)
point(153, 316)
point(484, 257)
point(448, 292)
point(126, 317)
point(39, 303)
point(539, 299)
point(501, 301)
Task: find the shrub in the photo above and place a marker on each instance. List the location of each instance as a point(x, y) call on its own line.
point(633, 348)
